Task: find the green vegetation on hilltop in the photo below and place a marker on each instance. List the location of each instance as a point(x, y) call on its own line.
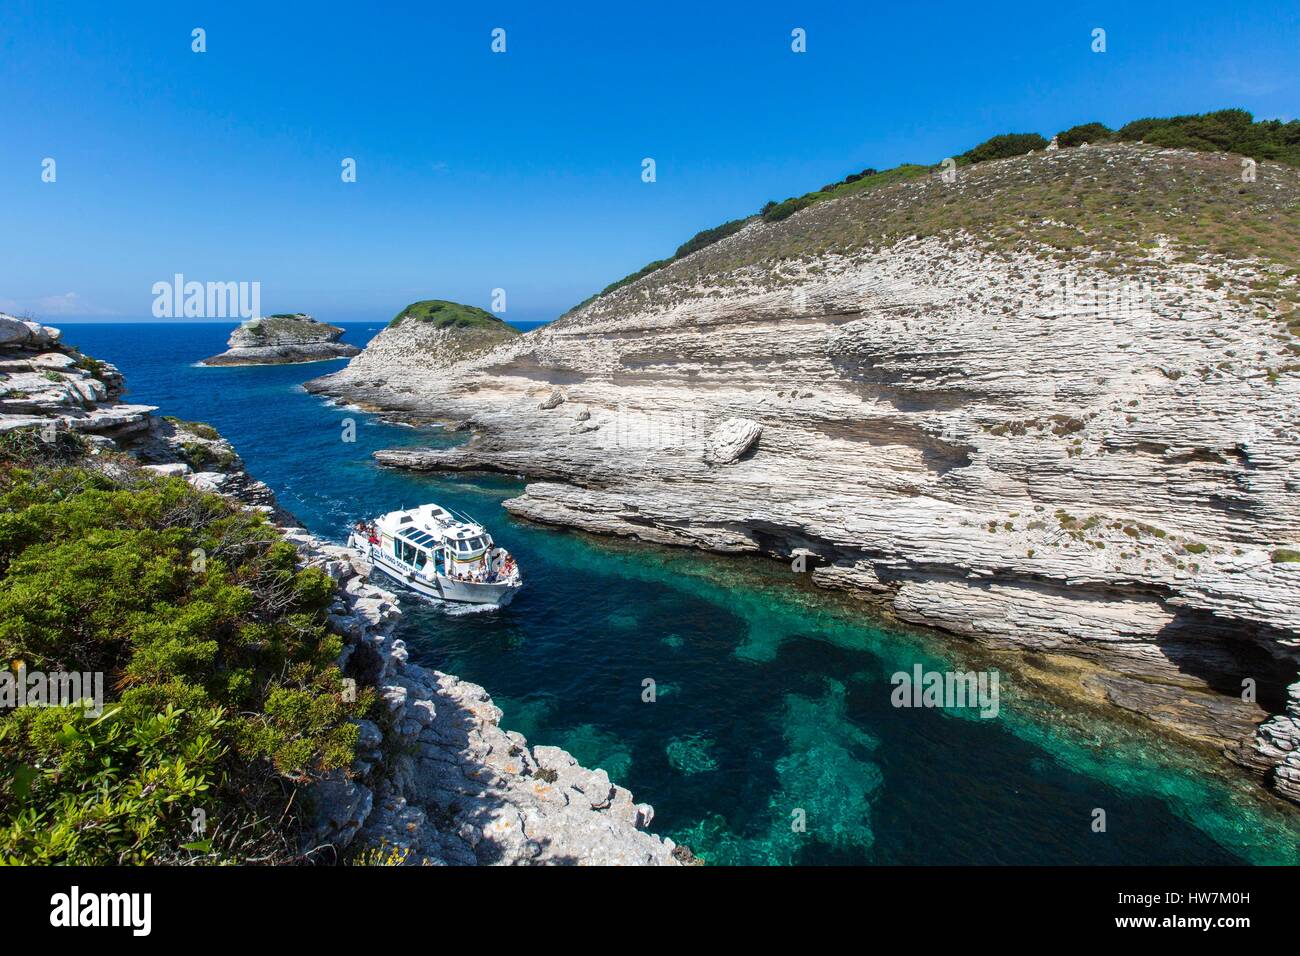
point(222, 695)
point(707, 237)
point(1004, 146)
point(447, 315)
point(858, 182)
point(1227, 131)
point(1224, 131)
point(1089, 133)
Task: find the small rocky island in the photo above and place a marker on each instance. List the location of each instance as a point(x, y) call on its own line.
point(283, 339)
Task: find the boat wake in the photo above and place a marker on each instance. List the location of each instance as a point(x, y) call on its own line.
point(460, 610)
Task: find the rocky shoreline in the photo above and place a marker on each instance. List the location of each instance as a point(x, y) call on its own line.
point(1011, 444)
point(283, 340)
point(437, 780)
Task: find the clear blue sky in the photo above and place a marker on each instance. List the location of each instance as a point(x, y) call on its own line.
point(522, 170)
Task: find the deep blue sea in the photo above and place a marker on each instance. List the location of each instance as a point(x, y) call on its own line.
point(773, 700)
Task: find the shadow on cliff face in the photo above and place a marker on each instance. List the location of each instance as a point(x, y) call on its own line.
point(1224, 655)
point(862, 373)
point(937, 454)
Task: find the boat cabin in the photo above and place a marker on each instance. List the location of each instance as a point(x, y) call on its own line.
point(432, 540)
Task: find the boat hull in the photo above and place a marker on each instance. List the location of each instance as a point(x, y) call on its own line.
point(439, 587)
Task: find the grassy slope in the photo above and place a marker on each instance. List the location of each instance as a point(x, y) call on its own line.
point(1218, 224)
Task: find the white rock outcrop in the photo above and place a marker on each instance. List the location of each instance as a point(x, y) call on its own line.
point(45, 383)
point(731, 439)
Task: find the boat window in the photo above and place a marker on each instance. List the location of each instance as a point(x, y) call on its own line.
point(408, 553)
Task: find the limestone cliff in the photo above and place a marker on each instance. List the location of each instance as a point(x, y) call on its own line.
point(1052, 405)
point(425, 337)
point(283, 340)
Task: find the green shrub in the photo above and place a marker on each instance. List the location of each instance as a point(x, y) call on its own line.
point(1004, 146)
point(775, 212)
point(444, 314)
point(707, 237)
point(223, 694)
point(1285, 556)
point(1232, 131)
point(95, 367)
point(1084, 133)
point(204, 457)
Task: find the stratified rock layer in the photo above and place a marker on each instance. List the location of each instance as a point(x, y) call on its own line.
point(43, 382)
point(283, 340)
point(1045, 437)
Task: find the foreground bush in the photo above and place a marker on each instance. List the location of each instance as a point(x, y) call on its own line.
point(222, 691)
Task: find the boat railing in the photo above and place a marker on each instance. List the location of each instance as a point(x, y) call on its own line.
point(462, 517)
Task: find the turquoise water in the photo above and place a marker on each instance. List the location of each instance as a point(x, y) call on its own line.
point(770, 698)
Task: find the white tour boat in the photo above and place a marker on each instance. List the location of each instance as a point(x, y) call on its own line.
point(439, 553)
